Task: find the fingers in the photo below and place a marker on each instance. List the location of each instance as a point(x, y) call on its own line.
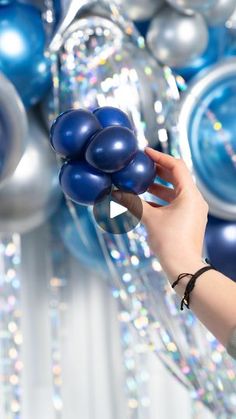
point(130, 201)
point(174, 170)
point(167, 194)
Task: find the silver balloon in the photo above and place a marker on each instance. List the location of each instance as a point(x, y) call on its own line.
point(99, 63)
point(13, 128)
point(32, 193)
point(191, 6)
point(220, 11)
point(176, 39)
point(139, 9)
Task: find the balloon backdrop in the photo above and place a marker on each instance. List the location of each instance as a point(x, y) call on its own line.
point(218, 45)
point(103, 61)
point(138, 9)
point(80, 238)
point(32, 193)
point(219, 12)
point(13, 128)
point(176, 39)
point(190, 6)
point(206, 136)
point(22, 42)
point(220, 243)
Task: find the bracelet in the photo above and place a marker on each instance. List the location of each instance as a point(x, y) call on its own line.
point(186, 298)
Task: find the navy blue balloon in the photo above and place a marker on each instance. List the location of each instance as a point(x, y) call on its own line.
point(72, 131)
point(137, 176)
point(220, 241)
point(112, 149)
point(83, 183)
point(22, 43)
point(109, 116)
point(216, 48)
point(81, 241)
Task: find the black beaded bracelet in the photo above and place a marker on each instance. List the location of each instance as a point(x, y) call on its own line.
point(190, 285)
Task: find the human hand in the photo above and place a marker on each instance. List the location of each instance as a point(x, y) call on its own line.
point(176, 230)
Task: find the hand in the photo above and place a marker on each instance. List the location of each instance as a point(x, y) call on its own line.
point(175, 231)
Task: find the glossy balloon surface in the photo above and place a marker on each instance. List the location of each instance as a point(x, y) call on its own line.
point(112, 149)
point(176, 39)
point(72, 131)
point(109, 116)
point(137, 176)
point(22, 42)
point(190, 6)
point(139, 9)
point(83, 183)
point(32, 193)
point(13, 128)
point(219, 12)
point(220, 240)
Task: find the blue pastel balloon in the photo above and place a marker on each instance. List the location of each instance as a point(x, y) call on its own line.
point(83, 183)
point(80, 237)
point(137, 176)
point(22, 43)
point(220, 241)
point(109, 116)
point(112, 149)
point(72, 131)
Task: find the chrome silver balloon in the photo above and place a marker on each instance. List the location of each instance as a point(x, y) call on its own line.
point(100, 59)
point(176, 39)
point(205, 136)
point(32, 193)
point(13, 127)
point(139, 9)
point(191, 6)
point(219, 12)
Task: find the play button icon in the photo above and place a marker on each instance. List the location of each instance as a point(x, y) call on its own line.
point(114, 217)
point(116, 209)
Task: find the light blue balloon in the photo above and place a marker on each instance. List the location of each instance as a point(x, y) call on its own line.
point(212, 136)
point(22, 42)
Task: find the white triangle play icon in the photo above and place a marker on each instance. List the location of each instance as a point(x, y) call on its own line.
point(116, 209)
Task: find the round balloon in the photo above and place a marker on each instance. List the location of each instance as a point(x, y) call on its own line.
point(218, 45)
point(191, 6)
point(32, 193)
point(83, 183)
point(22, 42)
point(137, 176)
point(72, 131)
point(111, 149)
point(219, 12)
point(176, 39)
point(109, 116)
point(127, 77)
point(138, 9)
point(13, 128)
point(220, 241)
point(206, 136)
point(80, 237)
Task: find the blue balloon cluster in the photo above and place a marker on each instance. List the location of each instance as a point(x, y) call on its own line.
point(100, 149)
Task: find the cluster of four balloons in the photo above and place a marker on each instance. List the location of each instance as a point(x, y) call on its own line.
point(107, 141)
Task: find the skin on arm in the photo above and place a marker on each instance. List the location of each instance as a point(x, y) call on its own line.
point(176, 236)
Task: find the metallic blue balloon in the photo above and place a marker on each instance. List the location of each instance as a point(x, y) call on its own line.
point(83, 183)
point(72, 131)
point(111, 149)
point(22, 42)
point(81, 240)
point(109, 116)
point(217, 44)
point(220, 241)
point(137, 176)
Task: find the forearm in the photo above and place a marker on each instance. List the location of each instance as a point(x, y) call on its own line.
point(213, 299)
